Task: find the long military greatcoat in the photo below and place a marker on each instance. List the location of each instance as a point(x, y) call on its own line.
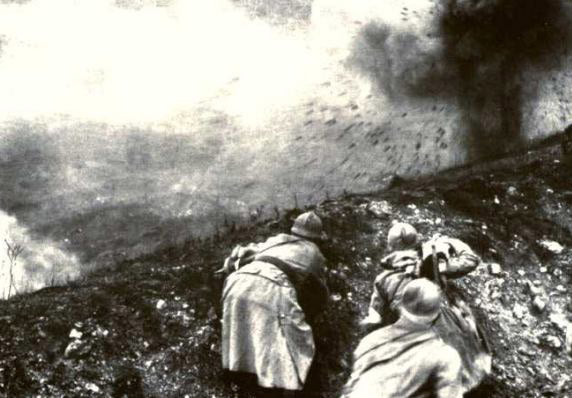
point(265, 308)
point(404, 360)
point(457, 325)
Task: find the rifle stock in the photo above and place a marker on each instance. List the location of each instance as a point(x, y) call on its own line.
point(441, 280)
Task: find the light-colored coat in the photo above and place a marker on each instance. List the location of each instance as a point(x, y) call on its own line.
point(457, 325)
point(403, 266)
point(404, 360)
point(265, 330)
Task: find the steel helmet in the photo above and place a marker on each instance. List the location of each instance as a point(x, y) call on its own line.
point(421, 301)
point(402, 236)
point(308, 225)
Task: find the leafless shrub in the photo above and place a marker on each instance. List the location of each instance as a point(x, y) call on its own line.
point(13, 251)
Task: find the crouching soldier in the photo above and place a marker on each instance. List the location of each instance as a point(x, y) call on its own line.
point(439, 259)
point(272, 290)
point(407, 358)
point(401, 266)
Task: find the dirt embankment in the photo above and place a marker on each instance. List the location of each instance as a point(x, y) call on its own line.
point(150, 327)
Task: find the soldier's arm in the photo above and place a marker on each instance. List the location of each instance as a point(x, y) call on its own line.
point(242, 255)
point(376, 305)
point(462, 261)
point(314, 295)
point(313, 292)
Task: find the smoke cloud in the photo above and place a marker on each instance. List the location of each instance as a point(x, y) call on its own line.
point(490, 44)
point(476, 53)
point(129, 125)
point(40, 263)
point(142, 62)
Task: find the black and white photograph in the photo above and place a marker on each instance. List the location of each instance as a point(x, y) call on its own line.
point(285, 198)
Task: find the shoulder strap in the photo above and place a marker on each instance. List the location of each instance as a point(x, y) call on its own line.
point(311, 292)
point(254, 256)
point(388, 274)
point(279, 244)
point(280, 264)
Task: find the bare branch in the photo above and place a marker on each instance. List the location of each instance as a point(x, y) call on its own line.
point(13, 251)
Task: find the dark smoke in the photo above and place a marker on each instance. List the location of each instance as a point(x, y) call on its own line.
point(489, 44)
point(401, 62)
point(474, 53)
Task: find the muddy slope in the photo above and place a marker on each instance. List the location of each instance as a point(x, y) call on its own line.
point(149, 327)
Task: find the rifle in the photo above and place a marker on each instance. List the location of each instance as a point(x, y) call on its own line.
point(440, 280)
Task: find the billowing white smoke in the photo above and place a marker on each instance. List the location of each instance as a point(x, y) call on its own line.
point(120, 116)
point(235, 90)
point(37, 262)
point(148, 64)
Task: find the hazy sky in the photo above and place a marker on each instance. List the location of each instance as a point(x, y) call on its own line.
point(93, 60)
point(153, 61)
point(198, 109)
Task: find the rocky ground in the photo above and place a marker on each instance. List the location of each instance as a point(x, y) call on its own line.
point(150, 327)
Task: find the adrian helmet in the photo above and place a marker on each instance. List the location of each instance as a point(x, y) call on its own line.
point(402, 236)
point(421, 301)
point(308, 225)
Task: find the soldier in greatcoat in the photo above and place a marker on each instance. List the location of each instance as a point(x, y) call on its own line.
point(272, 290)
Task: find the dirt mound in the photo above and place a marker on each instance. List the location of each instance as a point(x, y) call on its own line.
point(150, 327)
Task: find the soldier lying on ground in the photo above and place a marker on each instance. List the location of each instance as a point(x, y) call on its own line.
point(275, 287)
point(440, 258)
point(407, 358)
